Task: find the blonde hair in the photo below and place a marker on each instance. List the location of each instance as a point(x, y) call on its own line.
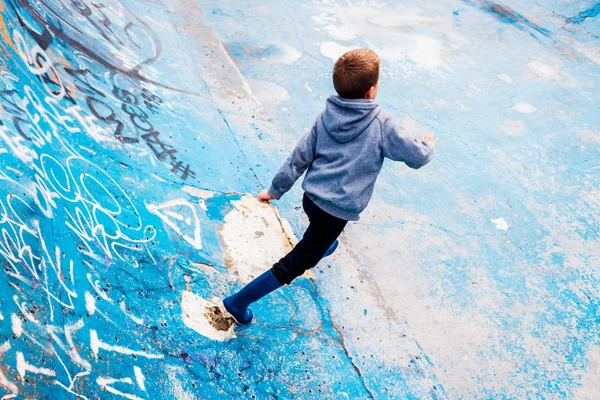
point(355, 72)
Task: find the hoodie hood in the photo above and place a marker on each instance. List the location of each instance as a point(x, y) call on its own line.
point(345, 119)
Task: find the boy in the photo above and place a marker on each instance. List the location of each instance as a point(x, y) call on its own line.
point(342, 156)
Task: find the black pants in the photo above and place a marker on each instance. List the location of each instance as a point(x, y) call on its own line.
point(322, 231)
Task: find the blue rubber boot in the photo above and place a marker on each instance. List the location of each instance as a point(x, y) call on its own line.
point(331, 249)
point(237, 304)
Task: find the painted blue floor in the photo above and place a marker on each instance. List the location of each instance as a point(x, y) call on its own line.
point(133, 131)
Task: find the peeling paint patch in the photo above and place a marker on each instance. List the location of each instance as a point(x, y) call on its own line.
point(17, 325)
point(194, 313)
point(333, 50)
point(524, 108)
point(254, 237)
point(500, 223)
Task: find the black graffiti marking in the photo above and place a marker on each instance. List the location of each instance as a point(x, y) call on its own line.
point(82, 82)
point(19, 6)
point(151, 101)
point(11, 107)
point(161, 150)
point(9, 104)
point(177, 167)
point(130, 105)
point(93, 103)
point(85, 11)
point(44, 39)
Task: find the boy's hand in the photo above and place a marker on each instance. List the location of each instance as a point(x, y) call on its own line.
point(430, 138)
point(264, 197)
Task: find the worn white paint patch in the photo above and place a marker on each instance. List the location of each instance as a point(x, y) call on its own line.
point(193, 308)
point(4, 382)
point(139, 377)
point(90, 303)
point(254, 237)
point(200, 193)
point(289, 55)
point(395, 33)
point(23, 367)
point(106, 383)
point(333, 50)
point(500, 223)
point(588, 135)
point(158, 178)
point(524, 108)
point(513, 127)
point(427, 52)
point(268, 92)
point(591, 52)
point(17, 325)
point(588, 378)
point(174, 374)
point(96, 344)
point(505, 78)
point(542, 70)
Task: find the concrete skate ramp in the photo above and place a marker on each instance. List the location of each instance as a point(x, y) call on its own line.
point(134, 133)
point(129, 141)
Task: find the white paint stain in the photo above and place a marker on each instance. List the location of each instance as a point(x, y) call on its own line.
point(426, 52)
point(588, 377)
point(90, 303)
point(17, 325)
point(395, 34)
point(174, 374)
point(16, 171)
point(135, 319)
point(105, 383)
point(500, 223)
point(589, 135)
point(158, 178)
point(23, 367)
point(288, 55)
point(505, 77)
point(200, 193)
point(542, 70)
point(193, 308)
point(139, 377)
point(4, 382)
point(268, 92)
point(524, 108)
point(254, 237)
point(96, 344)
point(333, 50)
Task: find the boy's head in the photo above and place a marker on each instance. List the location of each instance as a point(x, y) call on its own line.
point(356, 74)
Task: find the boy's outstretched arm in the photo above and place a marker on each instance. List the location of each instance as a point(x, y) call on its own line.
point(292, 169)
point(399, 146)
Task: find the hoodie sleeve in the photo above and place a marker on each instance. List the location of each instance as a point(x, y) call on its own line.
point(295, 165)
point(399, 146)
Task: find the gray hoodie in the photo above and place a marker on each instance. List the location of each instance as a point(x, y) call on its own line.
point(343, 154)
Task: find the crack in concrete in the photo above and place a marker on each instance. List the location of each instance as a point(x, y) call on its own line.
point(302, 42)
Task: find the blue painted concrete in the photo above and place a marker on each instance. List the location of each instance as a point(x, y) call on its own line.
point(112, 108)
